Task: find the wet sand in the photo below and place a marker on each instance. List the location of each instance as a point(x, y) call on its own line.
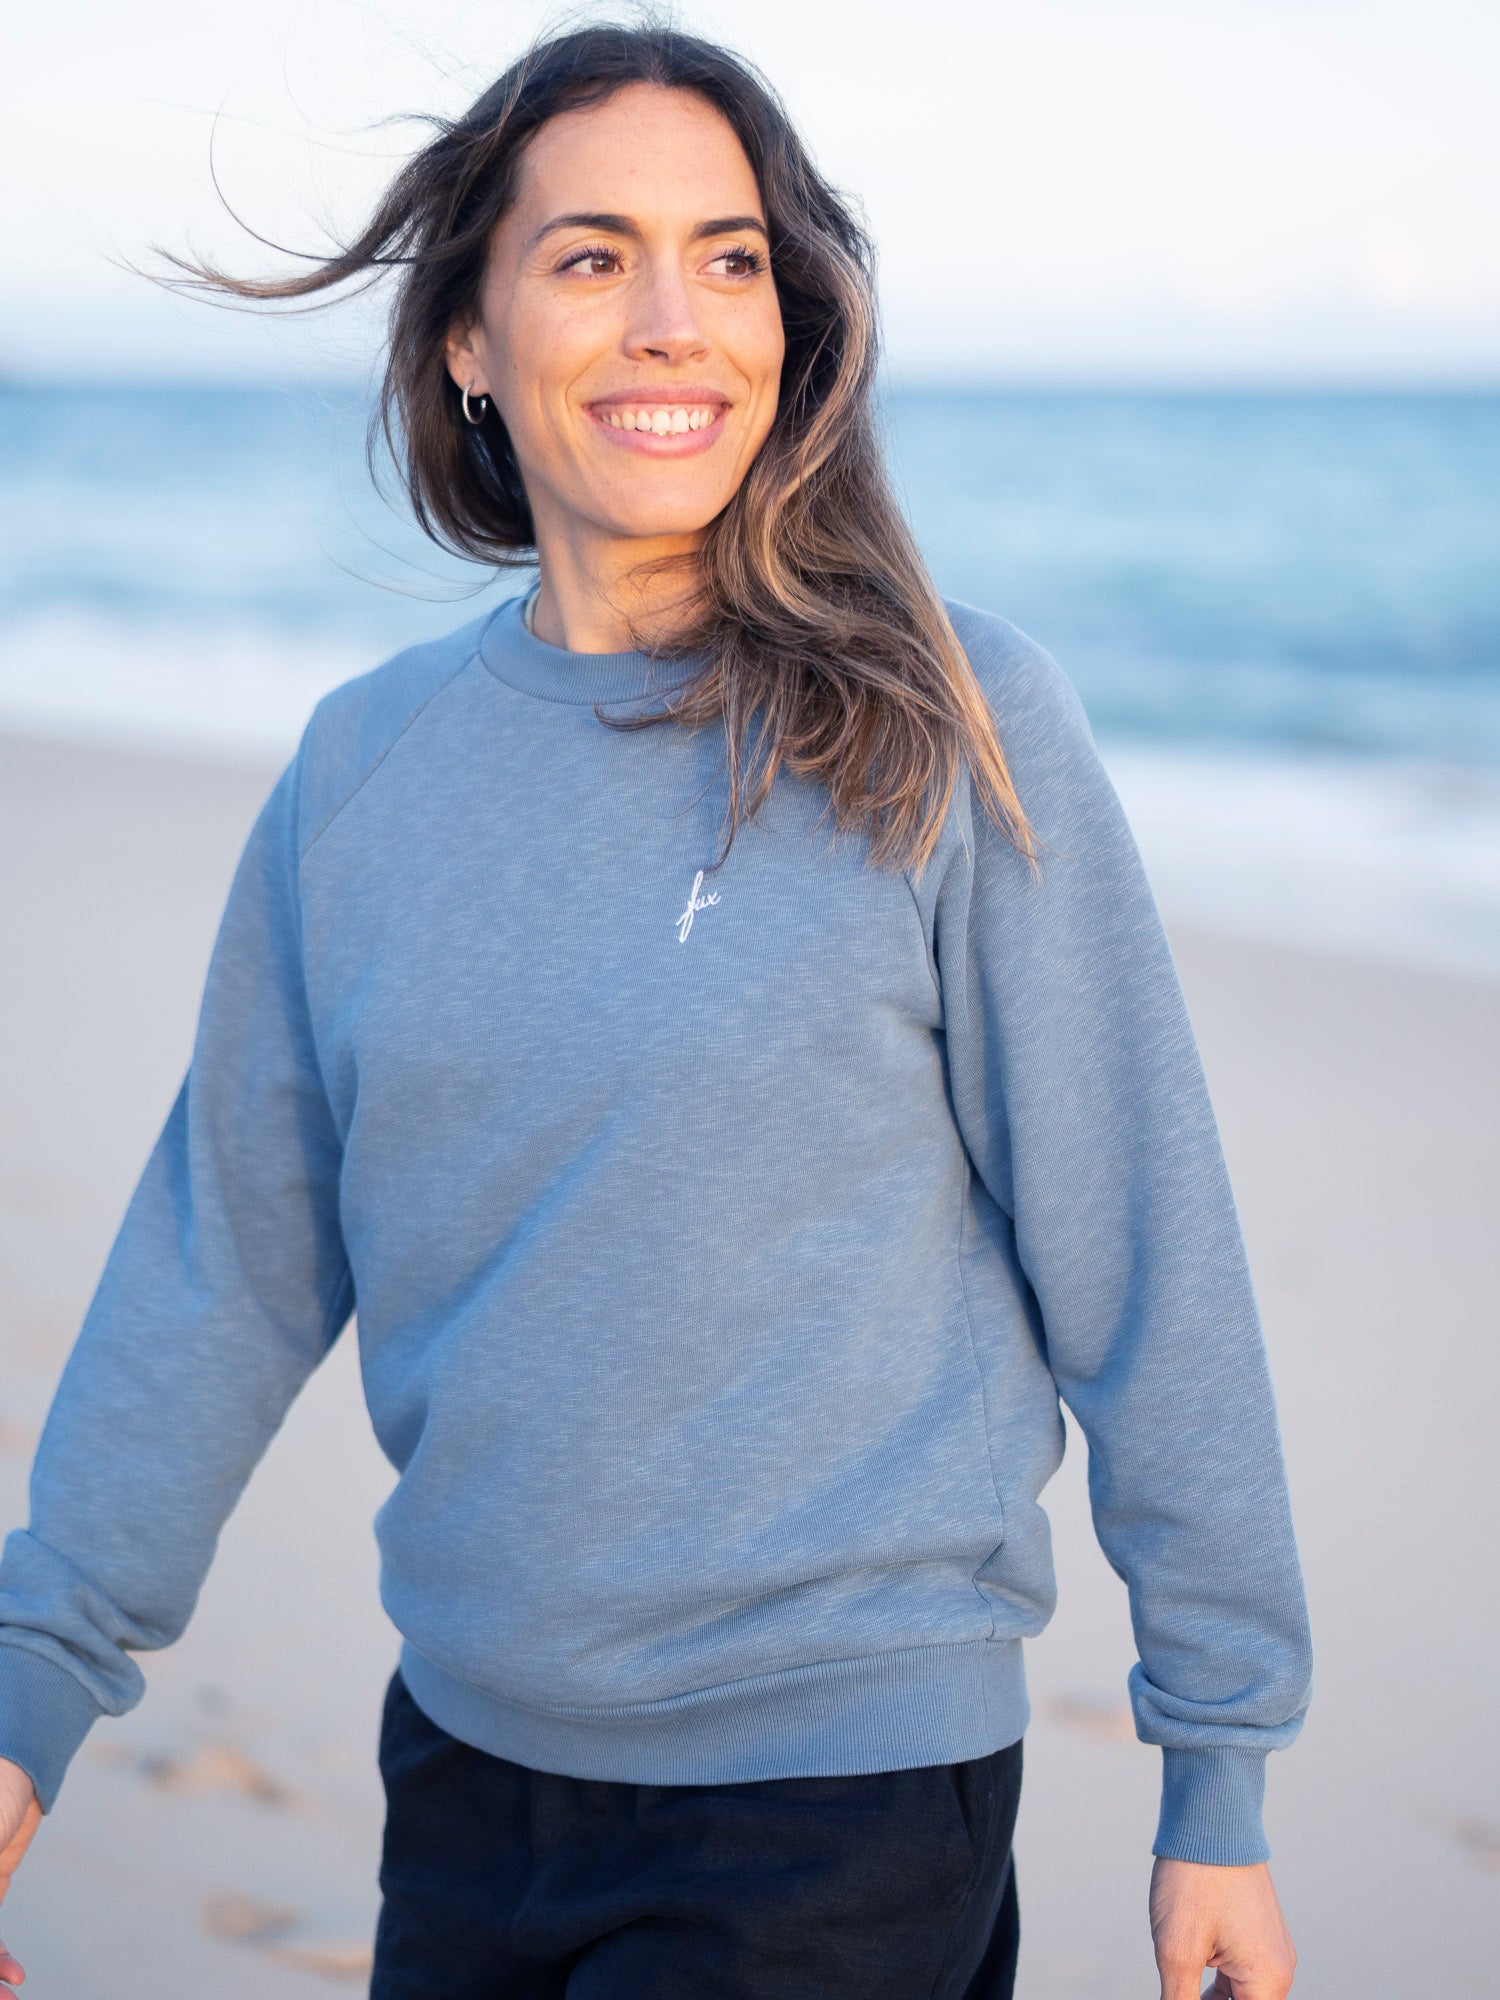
point(222, 1839)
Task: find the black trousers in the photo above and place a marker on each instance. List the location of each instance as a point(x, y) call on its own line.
point(504, 1883)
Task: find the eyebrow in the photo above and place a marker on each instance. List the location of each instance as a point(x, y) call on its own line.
point(621, 225)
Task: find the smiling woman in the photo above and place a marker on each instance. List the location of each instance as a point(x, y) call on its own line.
point(652, 328)
point(723, 1230)
point(626, 220)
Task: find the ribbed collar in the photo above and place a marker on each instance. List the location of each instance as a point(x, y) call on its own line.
point(524, 661)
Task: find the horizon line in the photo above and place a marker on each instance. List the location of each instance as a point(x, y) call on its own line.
point(905, 381)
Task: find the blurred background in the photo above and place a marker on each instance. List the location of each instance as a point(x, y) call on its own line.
point(1193, 372)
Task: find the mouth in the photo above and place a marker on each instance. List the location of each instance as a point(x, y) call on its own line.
point(674, 425)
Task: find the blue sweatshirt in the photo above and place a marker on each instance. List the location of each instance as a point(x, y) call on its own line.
point(720, 1242)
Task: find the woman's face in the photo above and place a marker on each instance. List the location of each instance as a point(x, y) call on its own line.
point(629, 329)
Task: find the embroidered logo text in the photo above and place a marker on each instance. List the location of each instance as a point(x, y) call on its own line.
point(695, 902)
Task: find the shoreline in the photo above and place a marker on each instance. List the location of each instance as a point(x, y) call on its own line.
point(1396, 865)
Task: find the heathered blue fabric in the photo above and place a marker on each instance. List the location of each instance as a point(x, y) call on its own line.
point(720, 1247)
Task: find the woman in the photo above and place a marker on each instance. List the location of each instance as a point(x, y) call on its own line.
point(710, 1016)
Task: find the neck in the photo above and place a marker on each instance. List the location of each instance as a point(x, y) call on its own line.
point(597, 594)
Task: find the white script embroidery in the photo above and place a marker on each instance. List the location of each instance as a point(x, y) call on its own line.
point(695, 902)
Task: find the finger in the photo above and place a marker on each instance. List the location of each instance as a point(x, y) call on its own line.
point(21, 1839)
point(1268, 1976)
point(1181, 1974)
point(10, 1860)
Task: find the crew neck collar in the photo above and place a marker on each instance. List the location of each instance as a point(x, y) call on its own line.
point(523, 661)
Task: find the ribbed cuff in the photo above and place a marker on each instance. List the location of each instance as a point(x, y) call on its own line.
point(45, 1713)
point(1211, 1803)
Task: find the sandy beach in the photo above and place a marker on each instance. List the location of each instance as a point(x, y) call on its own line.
point(222, 1839)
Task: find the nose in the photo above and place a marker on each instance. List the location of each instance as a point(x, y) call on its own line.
point(663, 325)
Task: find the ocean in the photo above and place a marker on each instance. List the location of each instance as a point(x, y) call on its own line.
point(1281, 609)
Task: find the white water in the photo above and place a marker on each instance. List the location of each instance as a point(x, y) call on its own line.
point(1382, 856)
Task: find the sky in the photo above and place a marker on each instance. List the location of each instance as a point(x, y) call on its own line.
point(1060, 190)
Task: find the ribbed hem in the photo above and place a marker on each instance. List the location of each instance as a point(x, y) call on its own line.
point(885, 1712)
point(45, 1713)
point(1211, 1804)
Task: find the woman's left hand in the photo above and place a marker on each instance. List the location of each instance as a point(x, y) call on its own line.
point(1224, 1920)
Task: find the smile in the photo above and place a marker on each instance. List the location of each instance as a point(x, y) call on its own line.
point(661, 422)
point(660, 428)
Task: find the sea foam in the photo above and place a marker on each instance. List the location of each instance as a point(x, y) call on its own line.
point(1384, 856)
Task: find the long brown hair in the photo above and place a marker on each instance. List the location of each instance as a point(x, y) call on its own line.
point(811, 602)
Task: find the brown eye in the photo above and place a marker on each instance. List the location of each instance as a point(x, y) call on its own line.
point(740, 263)
point(595, 263)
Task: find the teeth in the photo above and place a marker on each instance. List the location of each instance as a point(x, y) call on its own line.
point(660, 422)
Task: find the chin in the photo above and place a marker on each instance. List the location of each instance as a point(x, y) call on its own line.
point(660, 519)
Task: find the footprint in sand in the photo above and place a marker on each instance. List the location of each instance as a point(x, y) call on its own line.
point(1481, 1837)
point(216, 1767)
point(334, 1961)
point(269, 1927)
point(17, 1440)
point(245, 1920)
point(1108, 1720)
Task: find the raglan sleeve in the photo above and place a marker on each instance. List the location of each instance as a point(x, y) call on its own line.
point(1080, 1095)
point(225, 1285)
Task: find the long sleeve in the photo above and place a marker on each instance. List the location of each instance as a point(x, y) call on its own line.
point(226, 1284)
point(1079, 1091)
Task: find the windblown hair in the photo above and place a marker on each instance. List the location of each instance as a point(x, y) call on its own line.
point(810, 601)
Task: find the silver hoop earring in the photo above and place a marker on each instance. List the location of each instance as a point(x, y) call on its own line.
point(468, 413)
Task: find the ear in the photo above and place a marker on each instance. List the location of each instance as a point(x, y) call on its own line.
point(463, 363)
